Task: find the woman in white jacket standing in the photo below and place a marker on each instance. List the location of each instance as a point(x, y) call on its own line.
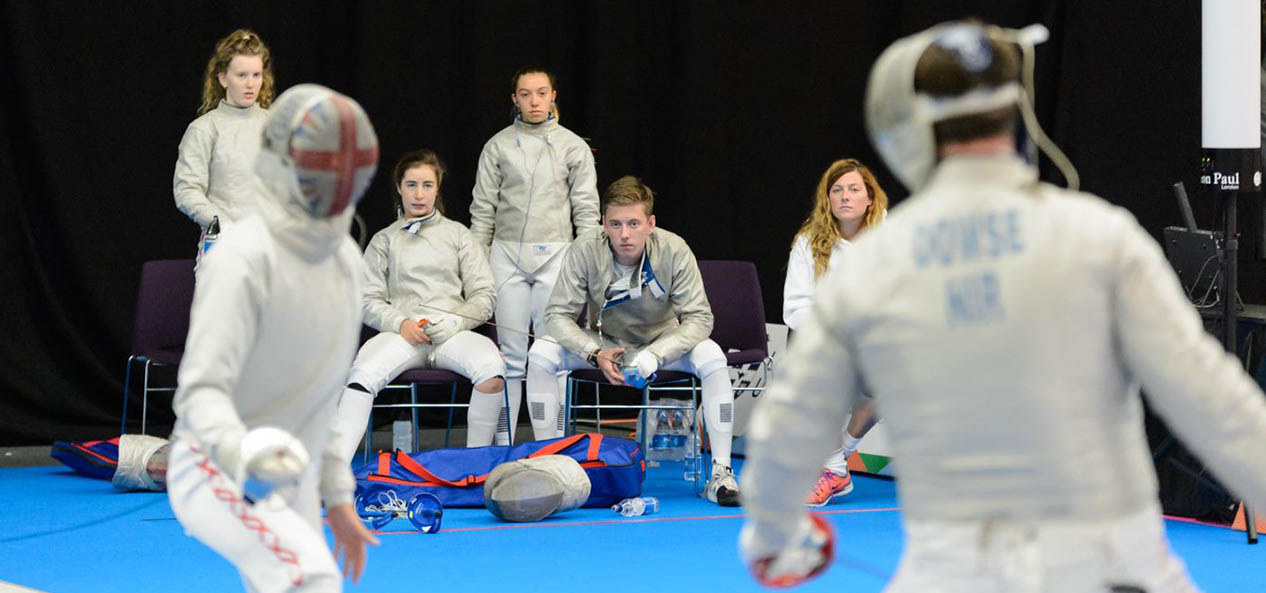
point(535, 190)
point(213, 177)
point(848, 201)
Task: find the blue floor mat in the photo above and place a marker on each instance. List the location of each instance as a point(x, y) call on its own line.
point(66, 534)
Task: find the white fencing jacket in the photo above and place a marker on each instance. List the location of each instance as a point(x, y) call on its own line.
point(214, 174)
point(413, 263)
point(797, 289)
point(1004, 327)
point(274, 327)
point(536, 189)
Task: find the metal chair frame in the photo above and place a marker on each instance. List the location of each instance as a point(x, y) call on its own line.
point(669, 384)
point(413, 406)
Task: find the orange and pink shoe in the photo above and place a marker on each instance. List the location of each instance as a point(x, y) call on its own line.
point(830, 485)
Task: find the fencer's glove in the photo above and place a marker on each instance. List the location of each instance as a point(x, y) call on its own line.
point(440, 331)
point(646, 364)
point(265, 460)
point(807, 554)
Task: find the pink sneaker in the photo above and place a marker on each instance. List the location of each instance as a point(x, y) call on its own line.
point(829, 486)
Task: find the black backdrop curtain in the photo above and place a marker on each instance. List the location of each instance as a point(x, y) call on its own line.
point(730, 110)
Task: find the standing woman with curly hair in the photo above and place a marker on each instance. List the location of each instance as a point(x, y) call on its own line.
point(213, 174)
point(848, 201)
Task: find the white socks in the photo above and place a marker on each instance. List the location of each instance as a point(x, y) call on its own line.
point(838, 461)
point(504, 436)
point(481, 417)
point(350, 421)
point(542, 398)
point(718, 414)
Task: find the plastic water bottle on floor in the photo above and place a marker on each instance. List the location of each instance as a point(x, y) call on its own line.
point(661, 440)
point(677, 436)
point(692, 458)
point(402, 436)
point(636, 507)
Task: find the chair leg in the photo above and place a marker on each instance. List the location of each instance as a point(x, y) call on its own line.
point(505, 409)
point(696, 385)
point(145, 396)
point(597, 411)
point(413, 412)
point(127, 391)
point(452, 401)
point(369, 436)
point(646, 401)
point(567, 420)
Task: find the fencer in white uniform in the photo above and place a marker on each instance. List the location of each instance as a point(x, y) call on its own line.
point(274, 325)
point(647, 311)
point(213, 178)
point(427, 286)
point(1004, 327)
point(535, 190)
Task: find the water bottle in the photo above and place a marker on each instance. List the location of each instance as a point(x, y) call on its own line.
point(661, 439)
point(213, 233)
point(636, 507)
point(402, 436)
point(677, 436)
point(691, 460)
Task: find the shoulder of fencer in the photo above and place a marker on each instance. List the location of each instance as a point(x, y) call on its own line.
point(202, 125)
point(384, 235)
point(668, 240)
point(453, 226)
point(503, 137)
point(1087, 211)
point(564, 135)
point(349, 253)
point(589, 246)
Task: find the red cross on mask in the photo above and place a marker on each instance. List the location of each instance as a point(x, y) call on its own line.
point(344, 162)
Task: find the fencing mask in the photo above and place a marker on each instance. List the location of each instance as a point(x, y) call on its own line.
point(532, 489)
point(900, 120)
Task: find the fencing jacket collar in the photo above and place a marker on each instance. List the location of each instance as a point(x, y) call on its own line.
point(414, 225)
point(630, 287)
point(543, 129)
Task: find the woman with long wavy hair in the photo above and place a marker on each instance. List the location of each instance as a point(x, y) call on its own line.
point(214, 169)
point(848, 201)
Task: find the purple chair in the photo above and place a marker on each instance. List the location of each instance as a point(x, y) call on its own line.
point(738, 311)
point(160, 326)
point(412, 379)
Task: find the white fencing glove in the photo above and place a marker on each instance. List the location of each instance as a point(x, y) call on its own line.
point(267, 459)
point(645, 363)
point(807, 554)
point(440, 331)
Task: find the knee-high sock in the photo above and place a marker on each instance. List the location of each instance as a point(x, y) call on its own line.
point(542, 397)
point(349, 424)
point(838, 460)
point(481, 417)
point(718, 413)
point(505, 436)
